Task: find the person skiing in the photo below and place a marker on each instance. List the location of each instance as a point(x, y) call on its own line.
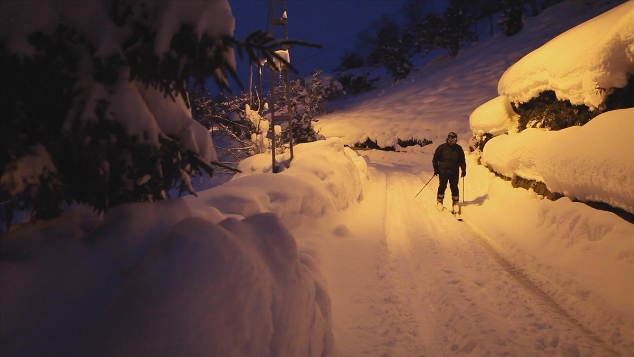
point(448, 157)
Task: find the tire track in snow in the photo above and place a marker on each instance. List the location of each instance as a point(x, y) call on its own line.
point(477, 290)
point(400, 330)
point(533, 288)
point(428, 274)
point(370, 317)
point(402, 270)
point(398, 229)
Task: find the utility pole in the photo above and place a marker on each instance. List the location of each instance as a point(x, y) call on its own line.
point(280, 20)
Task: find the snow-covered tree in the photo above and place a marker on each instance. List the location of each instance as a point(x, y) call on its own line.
point(226, 117)
point(223, 110)
point(94, 97)
point(307, 100)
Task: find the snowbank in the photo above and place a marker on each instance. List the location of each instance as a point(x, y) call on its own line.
point(217, 275)
point(495, 117)
point(590, 163)
point(583, 257)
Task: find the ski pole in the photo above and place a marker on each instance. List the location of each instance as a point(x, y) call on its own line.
point(421, 190)
point(462, 189)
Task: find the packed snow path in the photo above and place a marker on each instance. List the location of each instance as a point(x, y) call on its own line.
point(417, 282)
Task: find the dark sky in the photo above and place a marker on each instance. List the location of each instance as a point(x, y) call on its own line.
point(333, 24)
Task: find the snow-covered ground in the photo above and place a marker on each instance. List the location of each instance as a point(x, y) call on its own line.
point(520, 276)
point(336, 255)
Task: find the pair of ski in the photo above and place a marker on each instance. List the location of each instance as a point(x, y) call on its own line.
point(455, 211)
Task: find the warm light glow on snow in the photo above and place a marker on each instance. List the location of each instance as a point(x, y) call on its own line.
point(334, 256)
point(576, 64)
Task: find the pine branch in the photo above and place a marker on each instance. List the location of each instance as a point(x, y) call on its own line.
point(260, 44)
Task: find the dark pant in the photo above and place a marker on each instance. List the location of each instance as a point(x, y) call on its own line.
point(452, 178)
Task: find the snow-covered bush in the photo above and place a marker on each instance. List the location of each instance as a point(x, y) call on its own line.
point(553, 89)
point(222, 274)
point(493, 118)
point(226, 112)
point(546, 111)
point(308, 98)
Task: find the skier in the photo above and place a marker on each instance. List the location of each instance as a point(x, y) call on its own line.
point(447, 158)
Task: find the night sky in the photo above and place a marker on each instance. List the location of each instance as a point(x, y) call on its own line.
point(333, 24)
point(330, 23)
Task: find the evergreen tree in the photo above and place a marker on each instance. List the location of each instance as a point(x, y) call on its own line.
point(107, 117)
point(414, 13)
point(512, 16)
point(390, 49)
point(547, 3)
point(350, 60)
point(488, 8)
point(434, 31)
point(355, 84)
point(457, 29)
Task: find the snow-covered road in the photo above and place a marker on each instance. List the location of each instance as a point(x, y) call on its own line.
point(416, 282)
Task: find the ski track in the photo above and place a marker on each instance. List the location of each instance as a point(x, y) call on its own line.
point(437, 288)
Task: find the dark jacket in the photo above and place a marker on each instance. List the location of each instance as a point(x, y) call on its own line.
point(447, 159)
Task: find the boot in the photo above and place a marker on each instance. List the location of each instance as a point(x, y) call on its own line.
point(439, 200)
point(455, 207)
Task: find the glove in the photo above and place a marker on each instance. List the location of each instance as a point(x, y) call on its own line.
point(436, 172)
point(464, 173)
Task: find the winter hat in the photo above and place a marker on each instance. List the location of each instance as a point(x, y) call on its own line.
point(452, 135)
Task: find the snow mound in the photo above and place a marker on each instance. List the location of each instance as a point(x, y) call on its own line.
point(495, 117)
point(220, 274)
point(561, 159)
point(579, 71)
point(234, 288)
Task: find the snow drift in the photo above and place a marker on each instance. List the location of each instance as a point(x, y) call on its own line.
point(220, 274)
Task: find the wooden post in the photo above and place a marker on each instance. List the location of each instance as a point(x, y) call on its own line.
point(282, 20)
